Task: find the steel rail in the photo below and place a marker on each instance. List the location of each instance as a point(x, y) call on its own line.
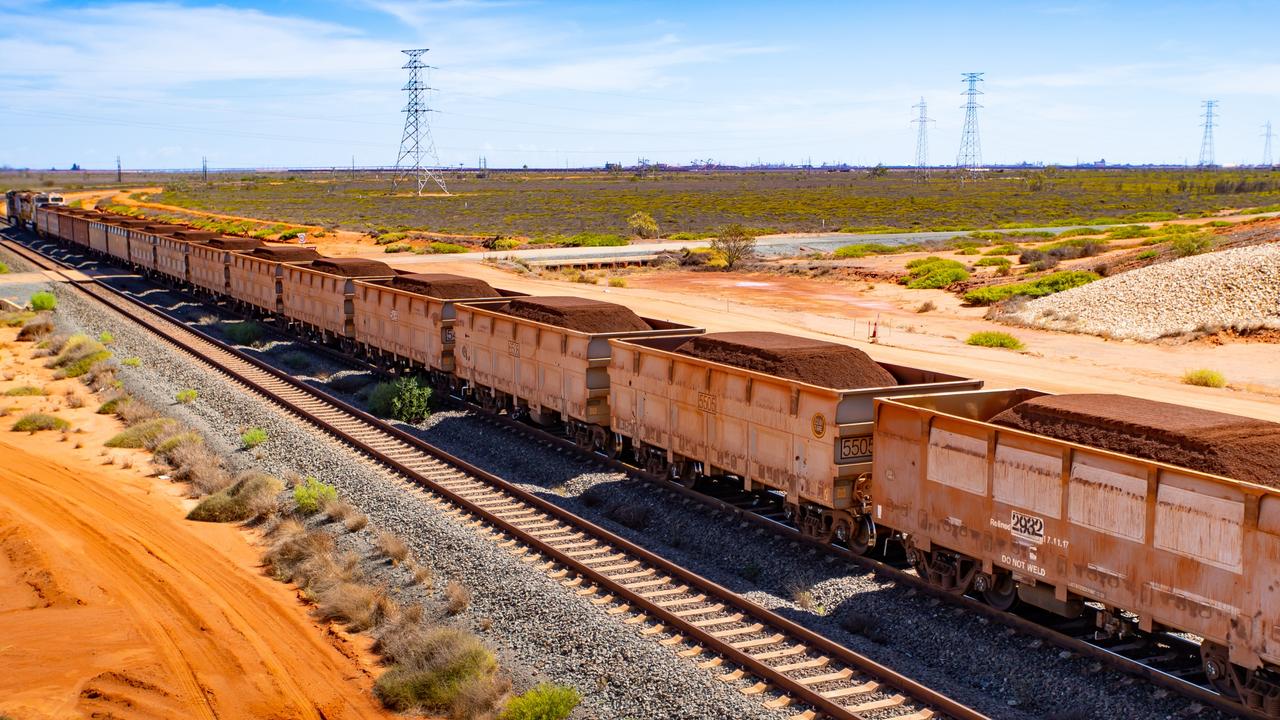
point(286, 391)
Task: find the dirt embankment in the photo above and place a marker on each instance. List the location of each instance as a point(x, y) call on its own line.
point(113, 605)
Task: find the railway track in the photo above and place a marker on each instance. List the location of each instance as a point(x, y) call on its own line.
point(783, 664)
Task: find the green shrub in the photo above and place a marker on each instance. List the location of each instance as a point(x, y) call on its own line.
point(388, 238)
point(246, 332)
point(544, 702)
point(106, 338)
point(864, 249)
point(77, 355)
point(588, 240)
point(934, 272)
point(506, 244)
point(405, 399)
point(24, 391)
point(1005, 249)
point(311, 495)
point(1148, 254)
point(994, 262)
point(289, 234)
point(145, 433)
point(131, 362)
point(398, 248)
point(617, 282)
point(167, 446)
point(1080, 231)
point(186, 396)
point(109, 407)
point(1127, 232)
point(1151, 216)
point(1204, 378)
point(241, 501)
point(43, 301)
point(1047, 285)
point(252, 438)
point(994, 339)
point(4, 269)
point(444, 248)
point(1187, 245)
point(35, 422)
point(435, 675)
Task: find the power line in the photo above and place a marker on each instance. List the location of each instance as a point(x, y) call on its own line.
point(970, 156)
point(416, 141)
point(1206, 142)
point(922, 138)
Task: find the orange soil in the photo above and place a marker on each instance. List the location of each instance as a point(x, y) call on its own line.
point(113, 605)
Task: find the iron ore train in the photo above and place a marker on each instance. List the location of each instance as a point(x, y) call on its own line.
point(1151, 517)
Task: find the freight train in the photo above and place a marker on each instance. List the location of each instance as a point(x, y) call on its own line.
point(1148, 534)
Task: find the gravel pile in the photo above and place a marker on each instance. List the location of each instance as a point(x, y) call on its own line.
point(561, 637)
point(1237, 289)
point(541, 630)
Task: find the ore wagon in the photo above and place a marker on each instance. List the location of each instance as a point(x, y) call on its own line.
point(1026, 516)
point(118, 230)
point(172, 250)
point(142, 244)
point(255, 275)
point(555, 369)
point(772, 411)
point(318, 297)
point(209, 263)
point(409, 319)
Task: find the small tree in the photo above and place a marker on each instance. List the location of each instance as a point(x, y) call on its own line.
point(735, 244)
point(643, 225)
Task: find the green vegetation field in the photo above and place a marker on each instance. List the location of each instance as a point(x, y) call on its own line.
point(539, 204)
point(691, 204)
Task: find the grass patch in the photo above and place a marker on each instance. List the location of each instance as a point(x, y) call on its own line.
point(444, 248)
point(77, 355)
point(311, 495)
point(544, 702)
point(1005, 249)
point(405, 399)
point(296, 361)
point(993, 339)
point(858, 250)
point(934, 272)
point(1204, 378)
point(1129, 232)
point(131, 362)
point(391, 547)
point(106, 338)
point(1047, 285)
point(248, 497)
point(144, 434)
point(252, 438)
point(617, 282)
point(187, 396)
point(435, 671)
point(994, 262)
point(38, 326)
point(245, 332)
point(35, 422)
point(1193, 244)
point(587, 239)
point(109, 407)
point(397, 248)
point(1148, 254)
point(24, 391)
point(43, 301)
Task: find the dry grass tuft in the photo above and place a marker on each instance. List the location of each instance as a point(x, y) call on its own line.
point(249, 497)
point(422, 575)
point(356, 522)
point(391, 547)
point(358, 606)
point(195, 463)
point(457, 597)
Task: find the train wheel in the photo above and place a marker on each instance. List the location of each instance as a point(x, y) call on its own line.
point(1218, 669)
point(613, 446)
point(859, 536)
point(1003, 593)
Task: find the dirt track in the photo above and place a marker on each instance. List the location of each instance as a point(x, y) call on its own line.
point(113, 605)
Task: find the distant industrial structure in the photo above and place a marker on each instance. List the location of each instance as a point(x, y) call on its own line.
point(1206, 141)
point(922, 138)
point(1266, 144)
point(970, 156)
point(416, 142)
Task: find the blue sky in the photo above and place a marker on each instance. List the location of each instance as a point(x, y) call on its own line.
point(314, 82)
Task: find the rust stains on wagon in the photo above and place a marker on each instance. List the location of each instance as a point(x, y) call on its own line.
point(1021, 516)
point(691, 416)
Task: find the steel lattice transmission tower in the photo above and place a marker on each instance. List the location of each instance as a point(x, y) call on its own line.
point(1266, 144)
point(416, 141)
point(922, 138)
point(1206, 142)
point(970, 155)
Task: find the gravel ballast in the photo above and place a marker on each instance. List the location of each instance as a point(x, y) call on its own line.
point(542, 630)
point(1003, 673)
point(1235, 289)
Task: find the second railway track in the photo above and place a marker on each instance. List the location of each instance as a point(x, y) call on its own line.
point(768, 656)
